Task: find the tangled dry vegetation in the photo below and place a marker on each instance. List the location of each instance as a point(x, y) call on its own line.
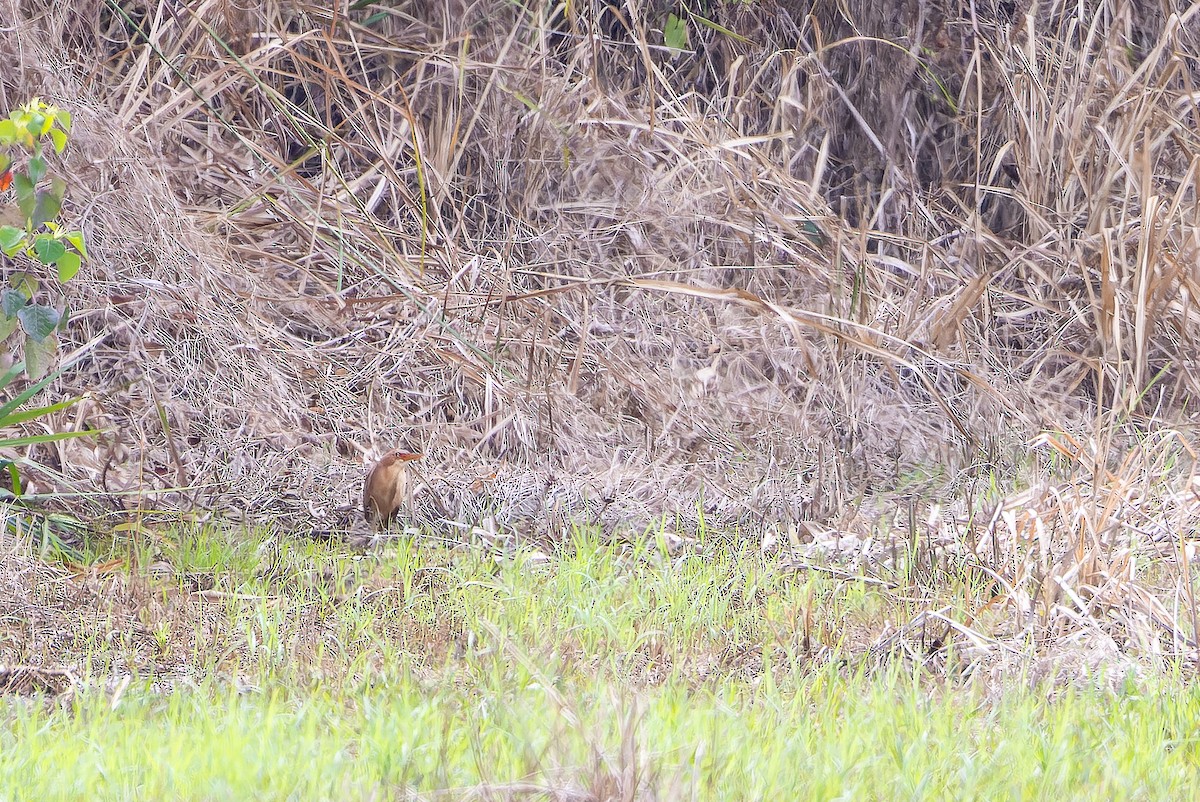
point(831, 255)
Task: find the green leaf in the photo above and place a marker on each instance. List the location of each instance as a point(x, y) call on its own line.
point(11, 302)
point(719, 28)
point(21, 134)
point(37, 169)
point(26, 195)
point(675, 34)
point(813, 233)
point(64, 119)
point(13, 442)
point(5, 162)
point(8, 372)
point(37, 412)
point(7, 326)
point(24, 283)
point(29, 392)
point(68, 266)
point(39, 354)
point(76, 239)
point(49, 202)
point(60, 140)
point(47, 249)
point(12, 239)
point(65, 318)
point(38, 320)
point(14, 476)
point(8, 132)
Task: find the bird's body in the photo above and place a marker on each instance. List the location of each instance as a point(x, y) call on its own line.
point(386, 487)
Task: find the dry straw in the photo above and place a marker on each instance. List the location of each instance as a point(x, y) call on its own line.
point(761, 279)
point(829, 264)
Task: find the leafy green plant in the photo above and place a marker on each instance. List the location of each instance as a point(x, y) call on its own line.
point(675, 29)
point(11, 415)
point(675, 35)
point(49, 530)
point(28, 231)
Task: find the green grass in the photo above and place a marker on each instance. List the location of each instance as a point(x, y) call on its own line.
point(307, 671)
point(818, 736)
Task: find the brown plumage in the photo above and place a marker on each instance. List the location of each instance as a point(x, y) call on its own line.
point(386, 487)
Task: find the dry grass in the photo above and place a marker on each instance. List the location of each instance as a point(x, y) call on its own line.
point(769, 280)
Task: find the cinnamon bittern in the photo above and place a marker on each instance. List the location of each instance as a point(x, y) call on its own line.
point(386, 487)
